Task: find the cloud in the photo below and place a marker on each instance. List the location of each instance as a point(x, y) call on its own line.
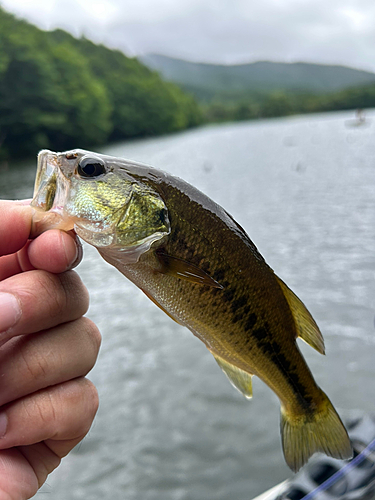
point(338, 32)
point(221, 31)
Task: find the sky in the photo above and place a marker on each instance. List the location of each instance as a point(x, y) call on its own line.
point(218, 31)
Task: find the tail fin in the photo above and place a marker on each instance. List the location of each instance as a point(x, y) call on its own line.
point(322, 430)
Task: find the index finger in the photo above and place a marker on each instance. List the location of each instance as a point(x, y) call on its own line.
point(15, 226)
point(54, 251)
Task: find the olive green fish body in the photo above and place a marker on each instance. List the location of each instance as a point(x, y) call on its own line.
point(248, 321)
point(198, 265)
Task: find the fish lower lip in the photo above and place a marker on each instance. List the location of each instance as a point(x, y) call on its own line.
point(42, 172)
point(46, 167)
point(45, 181)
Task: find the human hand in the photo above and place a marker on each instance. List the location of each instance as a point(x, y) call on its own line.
point(46, 348)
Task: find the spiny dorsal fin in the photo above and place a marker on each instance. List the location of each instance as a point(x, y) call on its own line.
point(179, 268)
point(306, 327)
point(240, 379)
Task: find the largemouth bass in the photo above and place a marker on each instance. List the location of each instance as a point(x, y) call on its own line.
point(192, 259)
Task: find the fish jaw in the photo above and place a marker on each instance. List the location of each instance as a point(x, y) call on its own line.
point(115, 210)
point(50, 192)
point(56, 188)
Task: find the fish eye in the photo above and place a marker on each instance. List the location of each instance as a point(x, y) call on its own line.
point(90, 167)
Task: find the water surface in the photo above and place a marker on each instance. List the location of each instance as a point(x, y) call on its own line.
point(170, 426)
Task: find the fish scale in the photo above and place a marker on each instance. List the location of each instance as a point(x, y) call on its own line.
point(192, 259)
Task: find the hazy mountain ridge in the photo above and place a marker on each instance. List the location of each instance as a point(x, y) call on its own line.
point(206, 81)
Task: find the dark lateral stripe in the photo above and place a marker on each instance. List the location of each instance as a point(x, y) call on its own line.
point(274, 351)
point(250, 321)
point(238, 303)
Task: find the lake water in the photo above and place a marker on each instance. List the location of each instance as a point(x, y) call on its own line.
point(170, 426)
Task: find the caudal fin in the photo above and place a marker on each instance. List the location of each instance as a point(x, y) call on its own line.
point(322, 430)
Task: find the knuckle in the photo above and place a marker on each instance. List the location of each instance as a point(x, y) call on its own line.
point(83, 394)
point(61, 293)
point(41, 409)
point(92, 396)
point(89, 404)
point(93, 334)
point(47, 290)
point(75, 291)
point(34, 365)
point(88, 341)
point(71, 409)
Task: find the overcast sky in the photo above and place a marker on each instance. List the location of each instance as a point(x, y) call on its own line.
point(219, 31)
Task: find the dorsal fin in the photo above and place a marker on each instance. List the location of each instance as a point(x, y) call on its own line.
point(240, 379)
point(306, 327)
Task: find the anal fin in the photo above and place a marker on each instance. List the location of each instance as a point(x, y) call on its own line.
point(306, 327)
point(240, 379)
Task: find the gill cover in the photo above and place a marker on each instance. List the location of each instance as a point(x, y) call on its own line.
point(131, 229)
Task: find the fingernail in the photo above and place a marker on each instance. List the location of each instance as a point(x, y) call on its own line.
point(3, 424)
point(10, 311)
point(79, 253)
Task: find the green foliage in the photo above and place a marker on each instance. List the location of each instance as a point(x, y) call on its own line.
point(59, 92)
point(142, 103)
point(277, 104)
point(284, 103)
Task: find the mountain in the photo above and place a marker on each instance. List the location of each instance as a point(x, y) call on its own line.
point(207, 81)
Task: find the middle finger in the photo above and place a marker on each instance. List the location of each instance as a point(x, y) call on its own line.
point(42, 300)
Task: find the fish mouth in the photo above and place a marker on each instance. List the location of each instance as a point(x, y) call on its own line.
point(45, 181)
point(50, 193)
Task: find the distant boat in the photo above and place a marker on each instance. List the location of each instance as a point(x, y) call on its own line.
point(359, 120)
point(325, 478)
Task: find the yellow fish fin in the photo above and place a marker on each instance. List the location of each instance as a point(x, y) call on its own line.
point(184, 270)
point(306, 327)
point(240, 379)
point(159, 306)
point(320, 430)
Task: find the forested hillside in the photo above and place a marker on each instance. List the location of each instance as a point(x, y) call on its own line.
point(209, 82)
point(266, 89)
point(59, 92)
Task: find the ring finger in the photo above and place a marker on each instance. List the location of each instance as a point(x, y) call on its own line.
point(29, 364)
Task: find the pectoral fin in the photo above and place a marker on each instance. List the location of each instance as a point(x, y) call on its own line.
point(240, 379)
point(306, 327)
point(184, 270)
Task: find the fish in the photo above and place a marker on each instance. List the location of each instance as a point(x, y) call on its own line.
point(198, 265)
